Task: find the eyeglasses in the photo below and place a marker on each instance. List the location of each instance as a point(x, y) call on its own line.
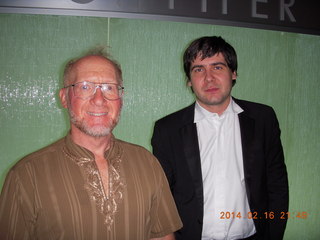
point(84, 90)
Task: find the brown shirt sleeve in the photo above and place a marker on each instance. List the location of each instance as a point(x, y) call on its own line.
point(15, 210)
point(166, 217)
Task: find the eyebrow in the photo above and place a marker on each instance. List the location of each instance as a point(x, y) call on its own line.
point(211, 64)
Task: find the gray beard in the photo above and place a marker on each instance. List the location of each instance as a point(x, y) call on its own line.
point(99, 131)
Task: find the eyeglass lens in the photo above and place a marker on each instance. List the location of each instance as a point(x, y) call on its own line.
point(87, 89)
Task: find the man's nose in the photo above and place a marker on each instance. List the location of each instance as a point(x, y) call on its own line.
point(209, 76)
point(98, 97)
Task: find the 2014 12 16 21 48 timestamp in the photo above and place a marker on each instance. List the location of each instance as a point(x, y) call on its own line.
point(265, 215)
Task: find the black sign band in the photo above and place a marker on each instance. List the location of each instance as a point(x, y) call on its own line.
point(284, 15)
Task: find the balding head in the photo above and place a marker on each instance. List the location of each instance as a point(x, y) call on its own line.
point(95, 54)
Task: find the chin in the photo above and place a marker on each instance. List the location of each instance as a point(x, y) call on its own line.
point(97, 131)
point(93, 131)
point(98, 134)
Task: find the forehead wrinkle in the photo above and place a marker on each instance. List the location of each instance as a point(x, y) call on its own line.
point(96, 70)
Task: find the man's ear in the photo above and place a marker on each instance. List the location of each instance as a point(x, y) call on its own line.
point(63, 97)
point(234, 75)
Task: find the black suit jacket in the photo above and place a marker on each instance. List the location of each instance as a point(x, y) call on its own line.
point(175, 144)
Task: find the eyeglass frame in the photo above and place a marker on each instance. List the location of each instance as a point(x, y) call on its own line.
point(98, 85)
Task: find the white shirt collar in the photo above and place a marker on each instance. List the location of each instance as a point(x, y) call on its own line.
point(201, 113)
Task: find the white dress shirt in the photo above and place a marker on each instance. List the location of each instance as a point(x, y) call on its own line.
point(225, 200)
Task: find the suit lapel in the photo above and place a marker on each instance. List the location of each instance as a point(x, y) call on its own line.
point(247, 128)
point(188, 134)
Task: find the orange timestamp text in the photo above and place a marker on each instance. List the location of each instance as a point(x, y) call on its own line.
point(265, 215)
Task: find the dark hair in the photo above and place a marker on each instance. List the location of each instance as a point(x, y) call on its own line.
point(100, 51)
point(207, 47)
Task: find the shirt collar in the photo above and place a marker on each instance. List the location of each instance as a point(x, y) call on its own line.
point(201, 113)
point(78, 152)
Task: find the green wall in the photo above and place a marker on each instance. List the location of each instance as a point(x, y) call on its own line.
point(277, 68)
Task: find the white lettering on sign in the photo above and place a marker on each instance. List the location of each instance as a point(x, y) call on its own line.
point(224, 6)
point(254, 12)
point(171, 4)
point(284, 7)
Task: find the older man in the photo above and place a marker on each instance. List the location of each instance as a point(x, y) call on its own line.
point(89, 185)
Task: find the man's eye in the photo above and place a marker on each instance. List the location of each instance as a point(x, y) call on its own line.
point(85, 87)
point(107, 87)
point(198, 70)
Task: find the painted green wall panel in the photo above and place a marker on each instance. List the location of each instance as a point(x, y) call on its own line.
point(277, 68)
point(33, 51)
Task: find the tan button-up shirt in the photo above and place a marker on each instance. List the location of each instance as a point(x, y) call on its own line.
point(57, 193)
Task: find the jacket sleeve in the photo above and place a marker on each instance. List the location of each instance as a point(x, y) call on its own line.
point(161, 149)
point(277, 180)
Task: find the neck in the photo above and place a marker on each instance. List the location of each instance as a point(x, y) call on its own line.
point(216, 108)
point(97, 145)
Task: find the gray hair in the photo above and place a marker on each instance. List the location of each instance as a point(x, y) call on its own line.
point(96, 51)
